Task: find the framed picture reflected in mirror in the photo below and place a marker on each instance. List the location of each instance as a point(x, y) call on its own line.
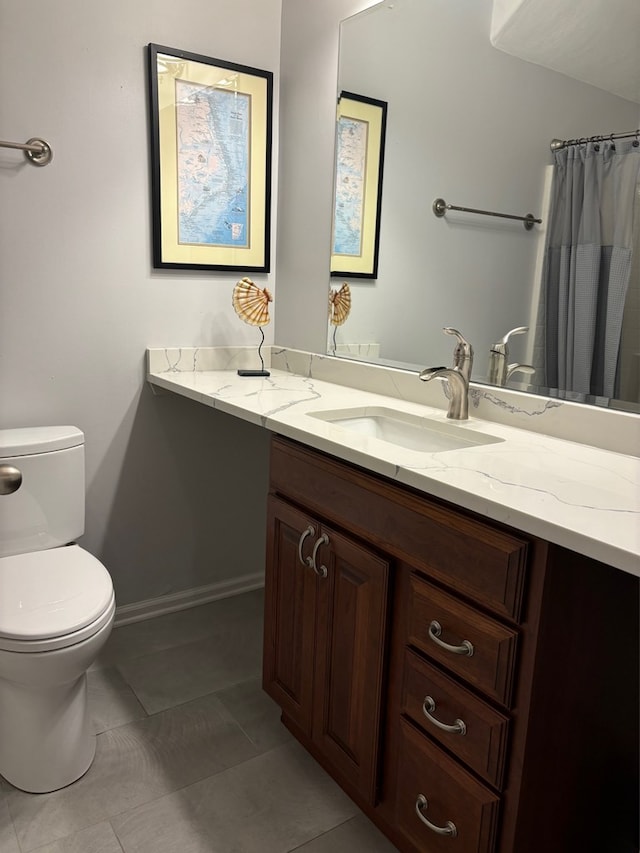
point(360, 139)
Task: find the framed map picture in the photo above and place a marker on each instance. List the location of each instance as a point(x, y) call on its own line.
point(211, 124)
point(360, 136)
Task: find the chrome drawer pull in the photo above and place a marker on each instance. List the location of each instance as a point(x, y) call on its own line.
point(322, 571)
point(428, 707)
point(306, 561)
point(465, 648)
point(449, 829)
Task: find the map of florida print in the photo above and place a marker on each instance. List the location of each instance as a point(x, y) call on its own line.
point(351, 164)
point(213, 165)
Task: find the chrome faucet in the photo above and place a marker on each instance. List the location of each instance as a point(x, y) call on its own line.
point(500, 371)
point(458, 377)
point(462, 354)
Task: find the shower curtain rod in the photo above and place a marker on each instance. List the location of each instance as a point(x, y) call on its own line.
point(557, 144)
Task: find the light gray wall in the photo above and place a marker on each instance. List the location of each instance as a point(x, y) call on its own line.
point(167, 509)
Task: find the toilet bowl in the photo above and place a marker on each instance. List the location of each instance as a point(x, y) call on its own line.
point(57, 607)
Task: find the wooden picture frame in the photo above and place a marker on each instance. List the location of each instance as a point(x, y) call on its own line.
point(359, 164)
point(211, 129)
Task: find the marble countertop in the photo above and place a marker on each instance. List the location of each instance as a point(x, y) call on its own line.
point(581, 497)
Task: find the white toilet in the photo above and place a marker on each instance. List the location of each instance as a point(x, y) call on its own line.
point(56, 609)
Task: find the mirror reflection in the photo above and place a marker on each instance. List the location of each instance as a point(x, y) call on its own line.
point(472, 125)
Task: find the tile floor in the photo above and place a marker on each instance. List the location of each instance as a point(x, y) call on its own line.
point(191, 755)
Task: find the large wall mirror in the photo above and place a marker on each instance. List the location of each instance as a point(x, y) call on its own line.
point(472, 125)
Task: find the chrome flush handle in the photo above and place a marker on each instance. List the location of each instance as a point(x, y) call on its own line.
point(10, 479)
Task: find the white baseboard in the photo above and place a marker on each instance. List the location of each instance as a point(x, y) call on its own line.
point(151, 607)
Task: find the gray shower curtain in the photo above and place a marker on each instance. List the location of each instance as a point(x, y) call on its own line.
point(588, 263)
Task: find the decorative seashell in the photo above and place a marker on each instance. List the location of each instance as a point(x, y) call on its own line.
point(252, 302)
point(339, 304)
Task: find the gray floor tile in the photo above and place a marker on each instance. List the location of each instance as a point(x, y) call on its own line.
point(213, 774)
point(111, 701)
point(8, 839)
point(5, 789)
point(175, 629)
point(96, 839)
point(134, 764)
point(230, 655)
point(270, 804)
point(256, 713)
point(42, 818)
point(357, 835)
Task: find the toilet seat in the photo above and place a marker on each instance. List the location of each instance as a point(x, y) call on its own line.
point(52, 599)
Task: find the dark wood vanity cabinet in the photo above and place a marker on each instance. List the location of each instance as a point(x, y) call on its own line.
point(325, 627)
point(473, 688)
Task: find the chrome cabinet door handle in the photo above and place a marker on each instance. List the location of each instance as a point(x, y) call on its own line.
point(322, 571)
point(435, 629)
point(459, 727)
point(450, 827)
point(306, 561)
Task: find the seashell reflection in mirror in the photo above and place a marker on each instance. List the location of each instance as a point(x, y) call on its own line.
point(339, 308)
point(339, 304)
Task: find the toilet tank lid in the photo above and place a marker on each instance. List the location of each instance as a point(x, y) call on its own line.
point(26, 441)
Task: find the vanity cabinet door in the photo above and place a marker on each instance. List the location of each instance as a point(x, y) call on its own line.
point(352, 606)
point(290, 607)
point(324, 639)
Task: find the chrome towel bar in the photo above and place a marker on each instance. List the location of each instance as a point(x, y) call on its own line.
point(37, 151)
point(440, 207)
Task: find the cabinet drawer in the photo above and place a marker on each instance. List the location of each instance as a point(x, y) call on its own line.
point(482, 562)
point(433, 787)
point(479, 737)
point(475, 647)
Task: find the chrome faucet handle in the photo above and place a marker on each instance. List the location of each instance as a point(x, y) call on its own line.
point(519, 330)
point(449, 330)
point(501, 346)
point(499, 371)
point(462, 354)
point(529, 369)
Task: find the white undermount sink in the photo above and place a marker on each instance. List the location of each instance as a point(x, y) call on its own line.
point(404, 430)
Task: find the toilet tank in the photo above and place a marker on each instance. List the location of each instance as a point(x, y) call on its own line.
point(41, 488)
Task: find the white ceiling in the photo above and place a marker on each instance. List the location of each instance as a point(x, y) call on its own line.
point(596, 41)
